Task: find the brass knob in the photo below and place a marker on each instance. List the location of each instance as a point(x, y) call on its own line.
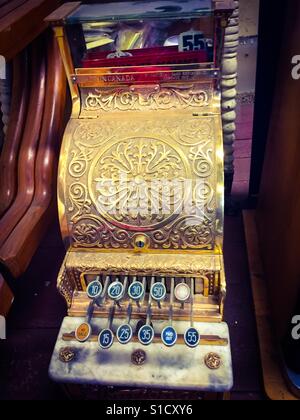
point(141, 242)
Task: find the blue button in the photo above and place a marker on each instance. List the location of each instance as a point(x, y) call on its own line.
point(192, 337)
point(124, 334)
point(158, 291)
point(169, 336)
point(94, 289)
point(116, 290)
point(106, 339)
point(136, 290)
point(146, 335)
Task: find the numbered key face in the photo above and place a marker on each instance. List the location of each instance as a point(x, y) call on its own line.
point(116, 290)
point(182, 292)
point(136, 290)
point(106, 339)
point(192, 337)
point(146, 335)
point(94, 289)
point(158, 291)
point(169, 336)
point(124, 334)
point(83, 332)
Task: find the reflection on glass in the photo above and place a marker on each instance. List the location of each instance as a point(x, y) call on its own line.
point(156, 9)
point(143, 34)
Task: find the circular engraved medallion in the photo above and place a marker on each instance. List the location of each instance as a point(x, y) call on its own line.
point(67, 355)
point(213, 361)
point(138, 357)
point(129, 180)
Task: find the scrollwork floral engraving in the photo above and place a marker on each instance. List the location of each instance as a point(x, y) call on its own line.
point(137, 99)
point(144, 150)
point(133, 166)
point(92, 232)
point(80, 203)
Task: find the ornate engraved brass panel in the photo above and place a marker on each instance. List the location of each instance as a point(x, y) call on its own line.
point(96, 101)
point(113, 164)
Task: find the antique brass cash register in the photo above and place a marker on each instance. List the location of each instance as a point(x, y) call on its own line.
point(140, 196)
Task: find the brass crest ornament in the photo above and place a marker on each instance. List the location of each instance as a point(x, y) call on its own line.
point(213, 361)
point(67, 355)
point(138, 357)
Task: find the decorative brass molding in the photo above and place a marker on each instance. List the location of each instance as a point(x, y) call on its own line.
point(136, 98)
point(65, 285)
point(161, 264)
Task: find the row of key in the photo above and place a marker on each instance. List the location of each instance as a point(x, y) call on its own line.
point(136, 291)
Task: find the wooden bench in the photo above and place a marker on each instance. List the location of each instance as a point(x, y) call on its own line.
point(18, 249)
point(6, 297)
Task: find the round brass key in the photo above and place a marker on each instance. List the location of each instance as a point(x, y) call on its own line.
point(83, 332)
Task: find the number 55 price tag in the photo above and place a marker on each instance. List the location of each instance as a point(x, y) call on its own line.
point(192, 41)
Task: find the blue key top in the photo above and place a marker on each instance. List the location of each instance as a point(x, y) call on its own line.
point(94, 289)
point(106, 339)
point(146, 335)
point(124, 334)
point(192, 337)
point(158, 291)
point(116, 290)
point(169, 336)
point(136, 290)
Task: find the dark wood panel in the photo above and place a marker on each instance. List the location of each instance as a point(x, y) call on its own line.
point(4, 2)
point(275, 386)
point(18, 113)
point(20, 27)
point(20, 246)
point(6, 297)
point(279, 201)
point(9, 6)
point(29, 145)
point(269, 43)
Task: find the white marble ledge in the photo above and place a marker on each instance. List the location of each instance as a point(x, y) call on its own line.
point(179, 367)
